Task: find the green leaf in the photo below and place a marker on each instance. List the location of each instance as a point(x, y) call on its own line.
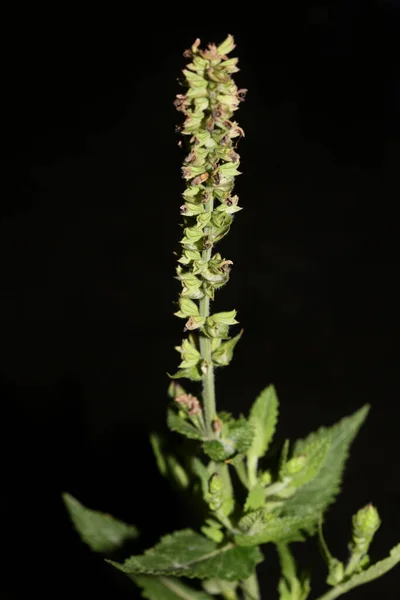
point(180, 425)
point(167, 588)
point(222, 356)
point(377, 570)
point(313, 498)
point(263, 417)
point(102, 532)
point(217, 451)
point(213, 533)
point(255, 498)
point(177, 473)
point(191, 373)
point(188, 554)
point(203, 473)
point(240, 434)
point(268, 528)
point(303, 468)
point(156, 442)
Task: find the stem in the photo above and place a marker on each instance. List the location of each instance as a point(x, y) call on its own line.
point(230, 595)
point(209, 406)
point(353, 563)
point(250, 588)
point(333, 593)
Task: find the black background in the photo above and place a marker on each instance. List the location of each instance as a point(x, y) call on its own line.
point(89, 222)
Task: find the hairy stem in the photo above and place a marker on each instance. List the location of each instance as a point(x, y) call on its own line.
point(333, 593)
point(251, 588)
point(209, 405)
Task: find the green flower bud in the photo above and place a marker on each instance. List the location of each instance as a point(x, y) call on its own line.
point(266, 478)
point(336, 572)
point(366, 523)
point(215, 487)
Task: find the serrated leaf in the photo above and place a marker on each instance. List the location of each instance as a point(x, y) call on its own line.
point(241, 433)
point(377, 570)
point(255, 498)
point(313, 498)
point(167, 588)
point(100, 531)
point(217, 451)
point(180, 425)
point(277, 529)
point(303, 468)
point(188, 554)
point(263, 417)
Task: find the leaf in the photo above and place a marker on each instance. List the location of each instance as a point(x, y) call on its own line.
point(217, 451)
point(188, 554)
point(377, 570)
point(314, 497)
point(275, 529)
point(203, 473)
point(190, 373)
point(263, 417)
point(303, 468)
point(156, 442)
point(240, 433)
point(176, 423)
point(167, 588)
point(102, 532)
point(255, 498)
point(177, 473)
point(222, 356)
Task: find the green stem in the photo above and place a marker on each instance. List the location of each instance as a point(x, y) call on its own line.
point(250, 588)
point(333, 593)
point(353, 563)
point(209, 405)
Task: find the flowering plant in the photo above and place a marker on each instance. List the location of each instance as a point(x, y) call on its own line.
point(281, 503)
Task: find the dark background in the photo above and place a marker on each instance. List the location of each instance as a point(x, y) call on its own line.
point(89, 222)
